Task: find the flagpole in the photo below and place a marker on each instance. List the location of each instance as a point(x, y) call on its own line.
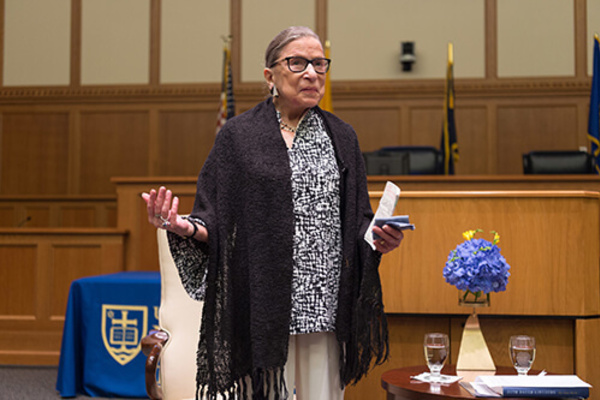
point(447, 151)
point(449, 145)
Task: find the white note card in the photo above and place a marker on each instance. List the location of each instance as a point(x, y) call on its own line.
point(387, 205)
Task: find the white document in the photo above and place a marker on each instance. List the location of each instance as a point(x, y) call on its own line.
point(387, 205)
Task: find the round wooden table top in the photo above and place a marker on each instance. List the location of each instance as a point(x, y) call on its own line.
point(399, 384)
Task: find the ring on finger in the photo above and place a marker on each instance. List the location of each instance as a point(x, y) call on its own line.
point(165, 224)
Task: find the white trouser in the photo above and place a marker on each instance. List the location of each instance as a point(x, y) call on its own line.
point(313, 367)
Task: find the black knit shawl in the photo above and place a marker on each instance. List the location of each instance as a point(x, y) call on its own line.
point(244, 196)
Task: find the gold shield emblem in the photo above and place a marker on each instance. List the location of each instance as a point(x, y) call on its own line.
point(123, 328)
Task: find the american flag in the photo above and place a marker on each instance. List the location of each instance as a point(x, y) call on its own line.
point(227, 107)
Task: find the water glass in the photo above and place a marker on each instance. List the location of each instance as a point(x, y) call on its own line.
point(436, 347)
point(522, 352)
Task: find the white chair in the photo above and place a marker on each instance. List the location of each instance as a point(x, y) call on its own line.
point(174, 345)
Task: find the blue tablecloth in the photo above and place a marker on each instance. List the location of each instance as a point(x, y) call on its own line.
point(107, 317)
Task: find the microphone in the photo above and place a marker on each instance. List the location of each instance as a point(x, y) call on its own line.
point(23, 222)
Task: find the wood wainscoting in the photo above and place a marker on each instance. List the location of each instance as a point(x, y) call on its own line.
point(36, 271)
point(79, 138)
point(46, 211)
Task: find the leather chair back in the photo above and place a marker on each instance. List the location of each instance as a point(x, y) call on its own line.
point(422, 160)
point(558, 162)
point(386, 163)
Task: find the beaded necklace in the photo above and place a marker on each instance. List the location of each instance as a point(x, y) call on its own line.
point(286, 127)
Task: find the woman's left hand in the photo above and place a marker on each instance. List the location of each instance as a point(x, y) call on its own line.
point(389, 238)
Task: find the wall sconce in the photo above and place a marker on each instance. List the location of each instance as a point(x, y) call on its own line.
point(407, 55)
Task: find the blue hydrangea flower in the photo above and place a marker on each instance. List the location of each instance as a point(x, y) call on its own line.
point(476, 265)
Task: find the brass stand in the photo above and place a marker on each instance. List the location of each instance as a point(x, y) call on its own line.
point(473, 355)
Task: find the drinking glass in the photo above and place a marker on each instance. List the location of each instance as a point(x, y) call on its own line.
point(436, 346)
point(522, 352)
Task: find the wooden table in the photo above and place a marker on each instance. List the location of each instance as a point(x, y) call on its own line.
point(399, 385)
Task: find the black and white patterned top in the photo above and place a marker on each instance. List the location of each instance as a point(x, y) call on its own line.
point(317, 237)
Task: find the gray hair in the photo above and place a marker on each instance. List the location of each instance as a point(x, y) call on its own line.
point(282, 39)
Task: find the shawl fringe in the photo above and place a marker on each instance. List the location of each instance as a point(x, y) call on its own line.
point(368, 347)
point(368, 344)
point(262, 385)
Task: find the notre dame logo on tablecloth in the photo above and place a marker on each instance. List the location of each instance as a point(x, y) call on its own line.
point(123, 327)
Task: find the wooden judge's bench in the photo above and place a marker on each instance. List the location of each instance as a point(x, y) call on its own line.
point(550, 235)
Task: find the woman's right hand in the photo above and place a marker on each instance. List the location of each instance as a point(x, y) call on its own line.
point(162, 210)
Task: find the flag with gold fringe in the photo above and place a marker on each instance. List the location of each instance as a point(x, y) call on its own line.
point(594, 116)
point(227, 106)
point(449, 144)
point(326, 103)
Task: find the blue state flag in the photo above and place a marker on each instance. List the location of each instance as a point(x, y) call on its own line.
point(594, 118)
point(449, 145)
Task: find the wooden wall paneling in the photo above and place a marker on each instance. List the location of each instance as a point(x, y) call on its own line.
point(583, 114)
point(39, 266)
point(35, 148)
point(185, 137)
point(154, 54)
point(587, 350)
point(426, 125)
point(377, 124)
point(8, 217)
point(321, 19)
point(113, 143)
point(491, 40)
point(61, 211)
point(68, 263)
point(535, 126)
point(581, 43)
point(37, 216)
point(75, 66)
point(74, 152)
point(473, 140)
point(110, 216)
point(18, 281)
point(79, 216)
point(154, 150)
point(492, 134)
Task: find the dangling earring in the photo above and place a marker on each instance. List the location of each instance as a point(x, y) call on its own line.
point(274, 91)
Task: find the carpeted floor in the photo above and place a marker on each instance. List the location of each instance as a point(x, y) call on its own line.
point(29, 383)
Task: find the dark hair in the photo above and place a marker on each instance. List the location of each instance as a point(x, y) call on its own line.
point(283, 38)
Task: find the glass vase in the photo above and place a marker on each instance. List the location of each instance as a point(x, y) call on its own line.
point(473, 299)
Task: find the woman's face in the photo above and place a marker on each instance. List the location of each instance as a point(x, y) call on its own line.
point(298, 90)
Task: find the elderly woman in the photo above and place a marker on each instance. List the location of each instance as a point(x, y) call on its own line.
point(274, 245)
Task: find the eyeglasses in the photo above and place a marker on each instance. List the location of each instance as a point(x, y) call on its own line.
point(299, 64)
